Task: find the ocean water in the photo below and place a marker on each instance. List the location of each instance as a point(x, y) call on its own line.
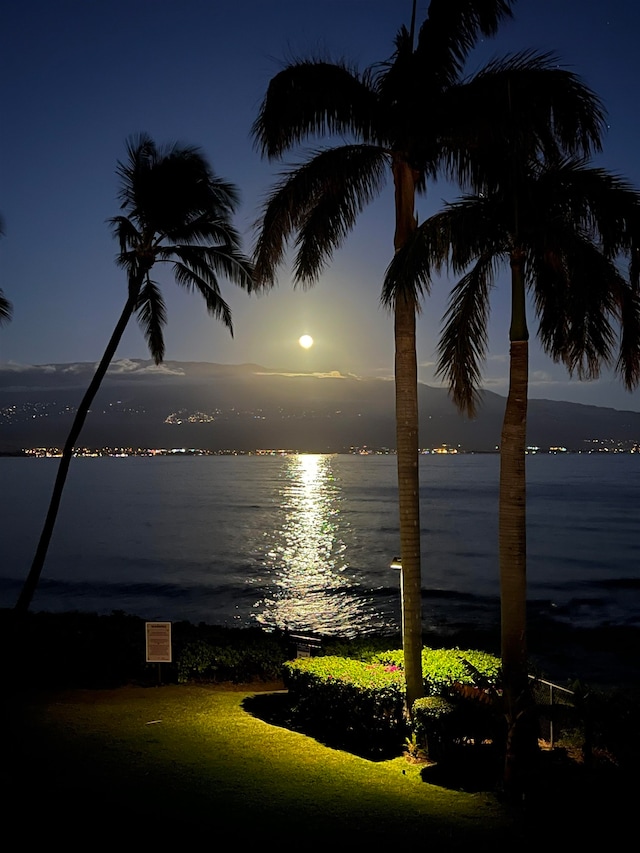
point(305, 542)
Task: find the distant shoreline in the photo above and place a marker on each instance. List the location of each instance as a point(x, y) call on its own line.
point(148, 452)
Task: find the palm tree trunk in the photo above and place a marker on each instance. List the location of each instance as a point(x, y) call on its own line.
point(521, 734)
point(409, 496)
point(30, 584)
point(512, 525)
point(406, 383)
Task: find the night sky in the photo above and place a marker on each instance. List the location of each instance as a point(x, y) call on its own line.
point(78, 77)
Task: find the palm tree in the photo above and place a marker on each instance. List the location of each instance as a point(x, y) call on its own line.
point(562, 227)
point(6, 309)
point(176, 211)
point(412, 117)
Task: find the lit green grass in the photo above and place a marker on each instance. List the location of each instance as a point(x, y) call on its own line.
point(190, 756)
point(193, 764)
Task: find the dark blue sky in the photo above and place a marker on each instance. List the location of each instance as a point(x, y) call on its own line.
point(77, 77)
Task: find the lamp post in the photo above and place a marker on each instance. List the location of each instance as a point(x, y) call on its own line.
point(396, 563)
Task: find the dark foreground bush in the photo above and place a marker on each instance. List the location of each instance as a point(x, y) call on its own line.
point(208, 654)
point(65, 650)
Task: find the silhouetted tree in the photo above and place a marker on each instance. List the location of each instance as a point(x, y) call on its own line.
point(6, 309)
point(177, 211)
point(413, 117)
point(562, 228)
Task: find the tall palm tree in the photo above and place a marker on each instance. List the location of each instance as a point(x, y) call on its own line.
point(562, 227)
point(6, 309)
point(412, 117)
point(177, 211)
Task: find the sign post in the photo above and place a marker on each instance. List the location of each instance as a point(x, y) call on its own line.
point(158, 643)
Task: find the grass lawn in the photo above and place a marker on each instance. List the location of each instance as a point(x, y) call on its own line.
point(196, 763)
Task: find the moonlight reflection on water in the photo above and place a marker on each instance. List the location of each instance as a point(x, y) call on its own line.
point(304, 542)
point(306, 558)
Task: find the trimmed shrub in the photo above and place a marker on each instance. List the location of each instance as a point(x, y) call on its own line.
point(362, 701)
point(442, 668)
point(349, 702)
point(431, 716)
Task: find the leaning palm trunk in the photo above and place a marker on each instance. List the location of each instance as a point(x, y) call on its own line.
point(35, 571)
point(178, 210)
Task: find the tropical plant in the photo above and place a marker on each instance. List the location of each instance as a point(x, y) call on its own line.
point(6, 309)
point(413, 117)
point(177, 211)
point(562, 227)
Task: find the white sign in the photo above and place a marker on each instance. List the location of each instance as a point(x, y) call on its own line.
point(158, 642)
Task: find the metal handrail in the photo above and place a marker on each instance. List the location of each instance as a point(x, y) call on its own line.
point(551, 687)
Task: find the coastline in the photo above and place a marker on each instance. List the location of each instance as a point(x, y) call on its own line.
point(71, 646)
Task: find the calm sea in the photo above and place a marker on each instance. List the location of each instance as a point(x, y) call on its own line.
point(306, 541)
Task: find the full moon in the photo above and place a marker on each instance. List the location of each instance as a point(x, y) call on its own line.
point(305, 341)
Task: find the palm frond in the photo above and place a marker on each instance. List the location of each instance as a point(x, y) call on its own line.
point(463, 341)
point(450, 31)
point(575, 285)
point(314, 98)
point(628, 363)
point(6, 309)
point(203, 229)
point(141, 154)
point(163, 188)
point(208, 288)
point(357, 176)
point(410, 271)
point(572, 221)
point(176, 209)
point(605, 205)
point(585, 217)
point(452, 240)
point(469, 227)
point(320, 199)
point(126, 233)
point(475, 226)
point(209, 262)
point(542, 92)
point(634, 265)
point(521, 106)
point(152, 318)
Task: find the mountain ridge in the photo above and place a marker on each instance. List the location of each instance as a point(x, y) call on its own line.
point(247, 406)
